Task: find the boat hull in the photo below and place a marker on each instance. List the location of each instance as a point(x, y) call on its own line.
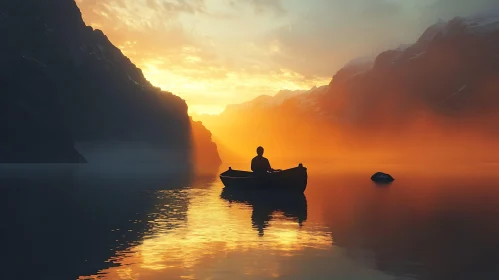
point(293, 179)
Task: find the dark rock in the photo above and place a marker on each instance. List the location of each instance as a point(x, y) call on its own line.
point(31, 124)
point(381, 177)
point(205, 151)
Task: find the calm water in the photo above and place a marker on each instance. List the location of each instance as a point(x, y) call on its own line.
point(72, 223)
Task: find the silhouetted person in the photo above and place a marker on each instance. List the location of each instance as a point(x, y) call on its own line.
point(259, 163)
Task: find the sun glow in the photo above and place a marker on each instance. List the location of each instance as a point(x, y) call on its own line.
point(210, 94)
point(208, 65)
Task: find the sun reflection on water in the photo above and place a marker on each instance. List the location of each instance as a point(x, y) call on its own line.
point(213, 236)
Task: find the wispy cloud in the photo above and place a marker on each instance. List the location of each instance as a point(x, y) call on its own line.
point(261, 6)
point(200, 48)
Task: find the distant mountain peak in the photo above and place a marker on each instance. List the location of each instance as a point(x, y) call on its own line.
point(478, 24)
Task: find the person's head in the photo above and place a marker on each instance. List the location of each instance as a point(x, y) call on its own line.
point(259, 151)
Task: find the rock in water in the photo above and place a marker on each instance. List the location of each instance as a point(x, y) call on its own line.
point(380, 177)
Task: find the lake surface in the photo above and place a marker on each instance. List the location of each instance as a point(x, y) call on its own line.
point(72, 222)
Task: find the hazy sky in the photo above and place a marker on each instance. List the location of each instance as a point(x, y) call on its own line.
point(216, 52)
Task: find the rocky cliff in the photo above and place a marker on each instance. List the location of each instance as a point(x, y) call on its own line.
point(69, 83)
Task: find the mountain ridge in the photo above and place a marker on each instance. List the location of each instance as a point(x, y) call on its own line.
point(439, 87)
point(100, 95)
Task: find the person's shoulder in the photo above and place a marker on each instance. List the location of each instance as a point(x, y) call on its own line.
point(266, 159)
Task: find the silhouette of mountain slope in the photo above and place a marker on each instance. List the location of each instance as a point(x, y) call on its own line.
point(97, 93)
point(451, 71)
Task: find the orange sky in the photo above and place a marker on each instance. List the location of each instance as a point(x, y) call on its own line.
point(217, 52)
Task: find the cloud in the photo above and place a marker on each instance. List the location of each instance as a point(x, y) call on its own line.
point(183, 48)
point(450, 8)
point(321, 39)
point(261, 6)
point(189, 45)
point(323, 35)
point(143, 29)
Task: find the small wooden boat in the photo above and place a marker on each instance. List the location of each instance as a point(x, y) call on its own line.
point(293, 179)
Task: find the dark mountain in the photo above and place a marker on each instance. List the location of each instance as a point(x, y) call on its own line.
point(30, 121)
point(451, 72)
point(205, 151)
point(444, 86)
point(67, 82)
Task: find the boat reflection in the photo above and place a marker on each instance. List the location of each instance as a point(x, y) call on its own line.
point(214, 238)
point(264, 204)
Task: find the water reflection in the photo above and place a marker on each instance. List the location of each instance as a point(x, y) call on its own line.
point(215, 238)
point(265, 204)
point(59, 223)
point(71, 224)
point(420, 227)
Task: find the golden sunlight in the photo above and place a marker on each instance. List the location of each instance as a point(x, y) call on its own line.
point(206, 94)
point(214, 230)
point(206, 69)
